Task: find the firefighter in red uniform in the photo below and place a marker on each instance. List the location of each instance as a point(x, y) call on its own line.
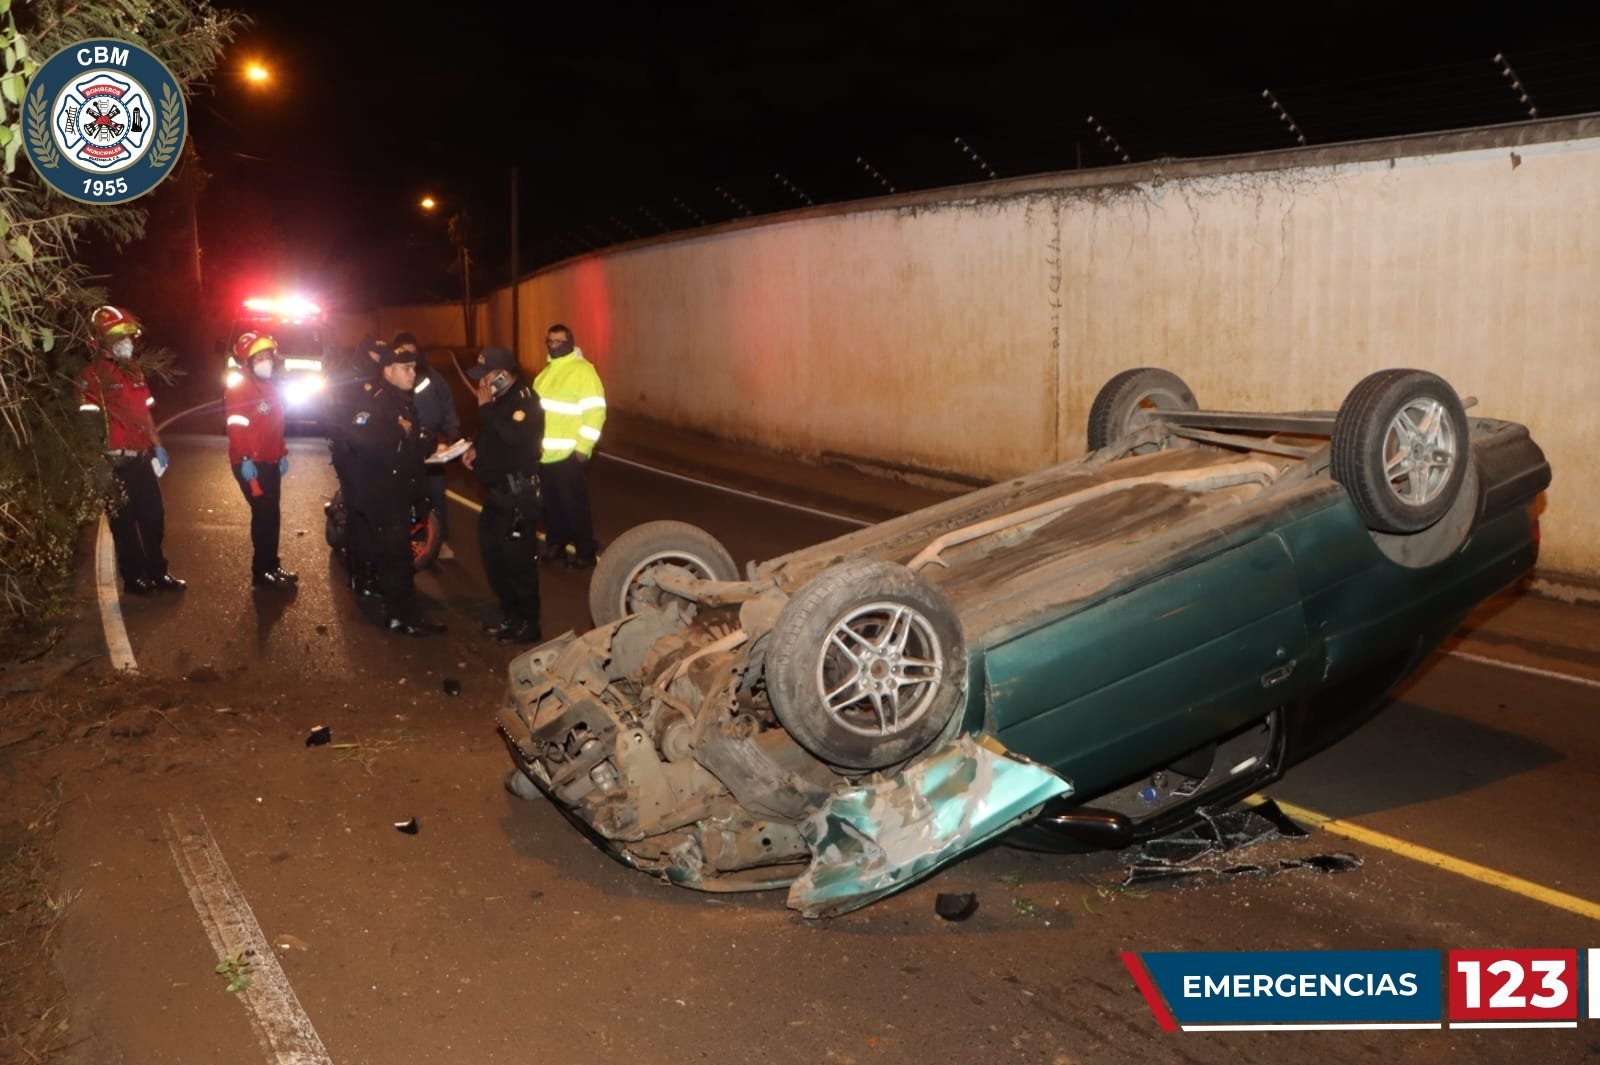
point(112, 389)
point(258, 453)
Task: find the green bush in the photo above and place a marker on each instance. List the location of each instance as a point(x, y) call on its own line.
point(53, 477)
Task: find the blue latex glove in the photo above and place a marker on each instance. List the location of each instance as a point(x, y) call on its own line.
point(161, 456)
point(247, 470)
point(283, 465)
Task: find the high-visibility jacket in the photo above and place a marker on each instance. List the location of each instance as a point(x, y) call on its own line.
point(574, 404)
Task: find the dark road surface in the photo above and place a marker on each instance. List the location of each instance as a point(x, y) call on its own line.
point(497, 933)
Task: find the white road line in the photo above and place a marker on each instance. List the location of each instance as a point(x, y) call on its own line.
point(1570, 678)
point(105, 580)
point(281, 1025)
point(736, 491)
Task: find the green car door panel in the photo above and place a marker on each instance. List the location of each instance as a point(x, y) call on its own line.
point(1156, 671)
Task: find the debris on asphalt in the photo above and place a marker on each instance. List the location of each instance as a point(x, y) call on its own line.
point(1281, 821)
point(285, 941)
point(236, 967)
point(408, 827)
point(322, 630)
point(955, 905)
point(318, 736)
point(1205, 850)
point(203, 674)
point(452, 686)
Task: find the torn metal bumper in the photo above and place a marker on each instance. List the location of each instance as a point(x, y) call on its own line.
point(872, 840)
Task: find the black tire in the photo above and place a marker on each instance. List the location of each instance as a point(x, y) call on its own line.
point(333, 521)
point(891, 616)
point(1413, 421)
point(615, 591)
point(1120, 405)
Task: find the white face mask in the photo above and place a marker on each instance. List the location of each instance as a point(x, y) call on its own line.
point(262, 368)
point(122, 349)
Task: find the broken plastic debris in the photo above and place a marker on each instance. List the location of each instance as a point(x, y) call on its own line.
point(1280, 820)
point(452, 686)
point(955, 905)
point(408, 827)
point(318, 736)
point(1204, 850)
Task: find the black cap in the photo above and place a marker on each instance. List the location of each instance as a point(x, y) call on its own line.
point(387, 356)
point(492, 359)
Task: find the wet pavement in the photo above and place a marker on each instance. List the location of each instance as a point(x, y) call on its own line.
point(496, 932)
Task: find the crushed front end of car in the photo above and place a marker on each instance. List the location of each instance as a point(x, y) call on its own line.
point(654, 734)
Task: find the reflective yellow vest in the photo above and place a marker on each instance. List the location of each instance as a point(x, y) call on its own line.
point(574, 406)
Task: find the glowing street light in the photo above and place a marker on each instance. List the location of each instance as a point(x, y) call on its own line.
point(256, 74)
point(457, 230)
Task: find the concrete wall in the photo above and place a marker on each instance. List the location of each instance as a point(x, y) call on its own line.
point(968, 329)
point(433, 323)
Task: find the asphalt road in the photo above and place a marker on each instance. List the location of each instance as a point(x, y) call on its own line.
point(497, 933)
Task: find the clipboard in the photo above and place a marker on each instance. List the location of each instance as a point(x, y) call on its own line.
point(454, 451)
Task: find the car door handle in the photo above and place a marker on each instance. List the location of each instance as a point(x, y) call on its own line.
point(1273, 677)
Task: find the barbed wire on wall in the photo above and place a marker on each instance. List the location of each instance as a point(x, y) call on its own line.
point(1471, 92)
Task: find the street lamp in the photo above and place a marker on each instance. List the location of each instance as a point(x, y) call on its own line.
point(457, 230)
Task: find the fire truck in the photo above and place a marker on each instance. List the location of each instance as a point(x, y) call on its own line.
point(298, 325)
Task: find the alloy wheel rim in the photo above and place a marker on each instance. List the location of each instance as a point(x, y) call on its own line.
point(880, 669)
point(1419, 451)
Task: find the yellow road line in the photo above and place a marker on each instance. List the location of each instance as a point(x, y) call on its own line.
point(464, 501)
point(1471, 870)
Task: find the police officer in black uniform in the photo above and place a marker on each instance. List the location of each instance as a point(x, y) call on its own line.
point(505, 456)
point(352, 393)
point(387, 449)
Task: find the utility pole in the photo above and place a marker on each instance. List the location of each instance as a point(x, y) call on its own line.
point(459, 229)
point(516, 330)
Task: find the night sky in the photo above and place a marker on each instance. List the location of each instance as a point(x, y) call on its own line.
point(626, 119)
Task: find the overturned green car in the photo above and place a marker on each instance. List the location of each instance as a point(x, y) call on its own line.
point(1084, 656)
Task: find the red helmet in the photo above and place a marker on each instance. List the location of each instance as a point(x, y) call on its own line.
point(111, 323)
point(249, 345)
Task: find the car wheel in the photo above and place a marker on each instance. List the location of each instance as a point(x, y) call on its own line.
point(1122, 404)
point(333, 521)
point(1401, 449)
point(618, 588)
point(425, 541)
point(866, 664)
point(518, 784)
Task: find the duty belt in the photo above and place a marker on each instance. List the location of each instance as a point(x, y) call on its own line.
point(518, 483)
point(127, 453)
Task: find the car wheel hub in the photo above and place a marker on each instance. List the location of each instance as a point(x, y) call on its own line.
point(880, 669)
point(637, 594)
point(1419, 452)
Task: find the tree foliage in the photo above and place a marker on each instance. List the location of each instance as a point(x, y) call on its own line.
point(52, 475)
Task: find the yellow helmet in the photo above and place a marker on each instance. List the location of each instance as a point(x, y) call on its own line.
point(249, 345)
point(111, 323)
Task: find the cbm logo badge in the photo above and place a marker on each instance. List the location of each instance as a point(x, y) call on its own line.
point(103, 121)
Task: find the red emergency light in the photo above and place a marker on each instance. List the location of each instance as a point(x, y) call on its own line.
point(284, 307)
